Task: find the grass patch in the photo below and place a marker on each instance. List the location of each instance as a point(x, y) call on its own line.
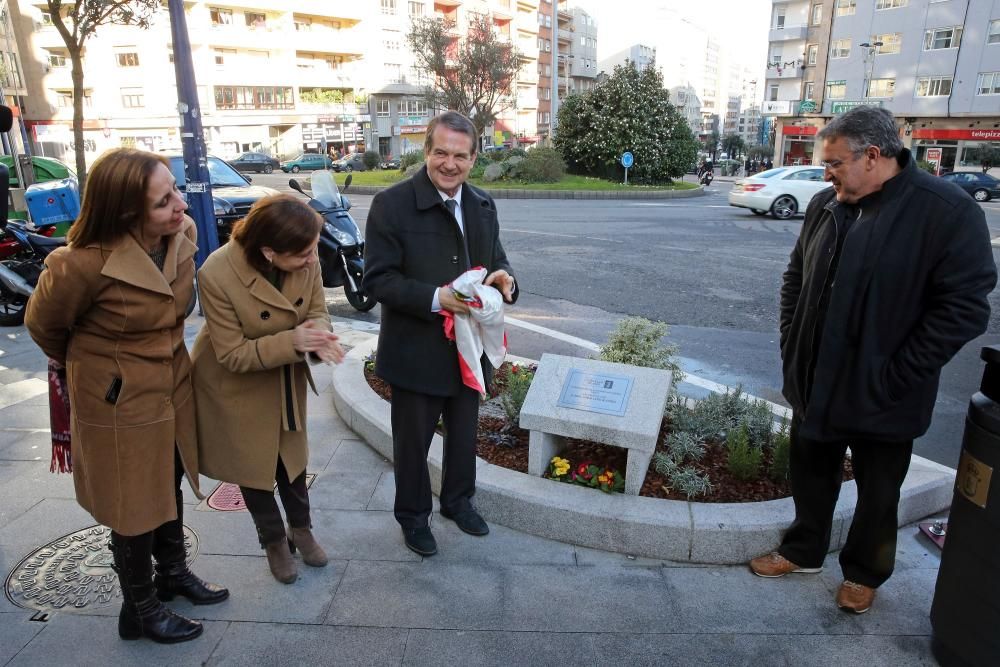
point(568, 182)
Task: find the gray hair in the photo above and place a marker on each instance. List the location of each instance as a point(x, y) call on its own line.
point(865, 126)
point(453, 121)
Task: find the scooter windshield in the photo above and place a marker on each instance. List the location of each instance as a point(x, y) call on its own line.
point(324, 188)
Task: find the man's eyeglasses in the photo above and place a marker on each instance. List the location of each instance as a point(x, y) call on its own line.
point(837, 164)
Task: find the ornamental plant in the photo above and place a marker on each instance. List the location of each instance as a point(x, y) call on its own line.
point(586, 474)
point(636, 341)
point(516, 390)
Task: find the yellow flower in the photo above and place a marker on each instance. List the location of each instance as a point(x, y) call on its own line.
point(603, 479)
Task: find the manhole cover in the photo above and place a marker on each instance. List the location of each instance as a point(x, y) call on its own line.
point(72, 572)
point(228, 498)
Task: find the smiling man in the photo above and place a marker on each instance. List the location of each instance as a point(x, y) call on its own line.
point(888, 280)
point(422, 234)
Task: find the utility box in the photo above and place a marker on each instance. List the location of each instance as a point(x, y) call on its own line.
point(53, 201)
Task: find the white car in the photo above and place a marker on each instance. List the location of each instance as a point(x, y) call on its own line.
point(782, 191)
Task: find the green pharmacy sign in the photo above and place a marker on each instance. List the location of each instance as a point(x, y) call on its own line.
point(807, 106)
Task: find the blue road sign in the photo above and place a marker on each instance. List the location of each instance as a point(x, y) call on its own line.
point(627, 160)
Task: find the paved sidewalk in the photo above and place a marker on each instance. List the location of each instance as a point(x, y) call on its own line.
point(506, 599)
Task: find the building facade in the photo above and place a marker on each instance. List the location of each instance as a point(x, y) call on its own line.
point(934, 63)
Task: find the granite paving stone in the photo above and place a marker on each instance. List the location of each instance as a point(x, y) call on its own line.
point(26, 445)
point(256, 644)
point(360, 535)
point(418, 595)
point(16, 630)
point(340, 489)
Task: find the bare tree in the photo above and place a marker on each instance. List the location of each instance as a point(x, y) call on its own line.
point(472, 74)
point(76, 22)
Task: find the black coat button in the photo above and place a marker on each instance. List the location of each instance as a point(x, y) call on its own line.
point(454, 259)
point(265, 315)
point(299, 302)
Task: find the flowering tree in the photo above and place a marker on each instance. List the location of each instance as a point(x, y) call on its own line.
point(630, 111)
point(472, 74)
point(76, 22)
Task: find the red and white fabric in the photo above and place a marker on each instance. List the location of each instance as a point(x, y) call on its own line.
point(479, 332)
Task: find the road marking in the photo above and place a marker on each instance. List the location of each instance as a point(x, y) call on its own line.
point(15, 392)
point(673, 247)
point(565, 236)
point(776, 409)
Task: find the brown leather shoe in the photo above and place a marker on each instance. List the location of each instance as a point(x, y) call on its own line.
point(280, 560)
point(303, 540)
point(775, 565)
point(855, 598)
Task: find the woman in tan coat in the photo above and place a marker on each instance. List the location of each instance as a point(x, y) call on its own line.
point(262, 296)
point(111, 308)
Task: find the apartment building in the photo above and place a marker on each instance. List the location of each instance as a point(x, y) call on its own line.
point(685, 98)
point(12, 84)
point(934, 63)
point(640, 54)
point(278, 76)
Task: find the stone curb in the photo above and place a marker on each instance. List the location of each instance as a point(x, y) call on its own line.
point(716, 533)
point(514, 193)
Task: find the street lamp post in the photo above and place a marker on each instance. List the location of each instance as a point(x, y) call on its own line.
point(870, 59)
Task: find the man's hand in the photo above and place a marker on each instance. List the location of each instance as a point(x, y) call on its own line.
point(450, 302)
point(503, 282)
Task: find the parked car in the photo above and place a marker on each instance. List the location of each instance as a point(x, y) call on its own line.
point(350, 162)
point(255, 162)
point(782, 191)
point(307, 162)
point(232, 193)
point(982, 187)
point(389, 163)
point(46, 169)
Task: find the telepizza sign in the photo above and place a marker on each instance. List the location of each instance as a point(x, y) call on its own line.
point(968, 135)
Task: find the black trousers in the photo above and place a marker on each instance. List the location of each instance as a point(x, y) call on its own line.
point(869, 554)
point(414, 418)
point(264, 508)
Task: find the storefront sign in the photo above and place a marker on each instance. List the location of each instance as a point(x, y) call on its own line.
point(846, 105)
point(807, 106)
point(799, 130)
point(776, 108)
point(933, 155)
point(966, 134)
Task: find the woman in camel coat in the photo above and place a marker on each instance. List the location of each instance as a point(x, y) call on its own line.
point(111, 307)
point(262, 296)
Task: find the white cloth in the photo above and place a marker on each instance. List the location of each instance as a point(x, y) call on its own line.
point(481, 330)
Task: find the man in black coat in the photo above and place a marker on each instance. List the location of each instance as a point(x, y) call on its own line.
point(889, 278)
point(421, 234)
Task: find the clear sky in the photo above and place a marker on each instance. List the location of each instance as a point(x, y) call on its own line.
point(740, 24)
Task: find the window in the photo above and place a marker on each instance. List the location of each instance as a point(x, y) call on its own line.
point(389, 7)
point(390, 45)
point(881, 88)
point(841, 48)
point(934, 86)
point(836, 90)
point(812, 52)
point(544, 93)
point(846, 7)
point(817, 14)
point(988, 84)
point(220, 16)
point(222, 54)
point(46, 18)
point(303, 25)
point(253, 97)
point(416, 8)
point(382, 108)
point(583, 41)
point(776, 54)
point(890, 4)
point(127, 59)
point(255, 20)
point(548, 45)
point(57, 60)
point(412, 108)
point(772, 92)
point(993, 34)
point(942, 38)
point(779, 18)
point(891, 43)
point(810, 89)
point(133, 98)
point(393, 72)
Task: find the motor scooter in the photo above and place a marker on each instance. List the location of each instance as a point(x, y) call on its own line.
point(341, 245)
point(19, 272)
point(706, 178)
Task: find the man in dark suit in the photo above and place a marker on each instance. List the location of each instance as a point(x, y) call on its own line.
point(421, 234)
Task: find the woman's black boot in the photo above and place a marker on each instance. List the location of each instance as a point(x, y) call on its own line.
point(142, 614)
point(173, 577)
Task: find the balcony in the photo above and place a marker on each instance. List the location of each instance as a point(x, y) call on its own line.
point(792, 71)
point(336, 9)
point(348, 42)
point(788, 33)
point(274, 36)
point(322, 77)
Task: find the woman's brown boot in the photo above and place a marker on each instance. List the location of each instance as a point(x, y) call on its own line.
point(279, 559)
point(303, 540)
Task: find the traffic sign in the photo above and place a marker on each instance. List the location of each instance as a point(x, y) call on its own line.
point(627, 160)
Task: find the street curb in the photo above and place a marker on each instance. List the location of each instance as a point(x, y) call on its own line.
point(715, 533)
point(515, 193)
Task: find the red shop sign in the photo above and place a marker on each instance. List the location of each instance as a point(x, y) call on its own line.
point(800, 130)
point(974, 135)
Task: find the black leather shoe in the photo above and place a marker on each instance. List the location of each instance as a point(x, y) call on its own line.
point(179, 580)
point(468, 521)
point(420, 540)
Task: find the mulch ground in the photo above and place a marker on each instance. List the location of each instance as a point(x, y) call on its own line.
point(509, 448)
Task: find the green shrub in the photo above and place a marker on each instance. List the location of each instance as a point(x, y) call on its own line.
point(683, 479)
point(512, 399)
point(371, 159)
point(411, 158)
point(744, 459)
point(927, 166)
point(542, 165)
point(781, 446)
point(636, 341)
point(683, 446)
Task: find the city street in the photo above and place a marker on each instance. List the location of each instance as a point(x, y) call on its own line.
point(709, 270)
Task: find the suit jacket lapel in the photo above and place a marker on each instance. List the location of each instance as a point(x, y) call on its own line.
point(258, 285)
point(129, 263)
point(179, 250)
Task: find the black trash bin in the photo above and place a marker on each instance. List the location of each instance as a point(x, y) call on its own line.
point(965, 613)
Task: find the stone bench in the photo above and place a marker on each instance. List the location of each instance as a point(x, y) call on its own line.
point(603, 414)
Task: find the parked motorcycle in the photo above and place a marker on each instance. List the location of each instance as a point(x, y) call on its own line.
point(341, 246)
point(20, 271)
point(10, 246)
